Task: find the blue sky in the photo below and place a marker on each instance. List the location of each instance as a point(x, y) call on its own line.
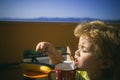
point(102, 9)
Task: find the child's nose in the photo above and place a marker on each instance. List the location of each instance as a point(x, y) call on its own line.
point(77, 53)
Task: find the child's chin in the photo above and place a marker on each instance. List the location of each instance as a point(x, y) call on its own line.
point(77, 68)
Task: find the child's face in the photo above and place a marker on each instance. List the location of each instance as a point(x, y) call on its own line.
point(84, 56)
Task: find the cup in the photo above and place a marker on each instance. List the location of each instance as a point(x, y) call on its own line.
point(63, 71)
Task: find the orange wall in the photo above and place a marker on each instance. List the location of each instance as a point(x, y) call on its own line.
point(15, 37)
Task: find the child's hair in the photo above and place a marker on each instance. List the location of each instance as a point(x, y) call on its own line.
point(106, 41)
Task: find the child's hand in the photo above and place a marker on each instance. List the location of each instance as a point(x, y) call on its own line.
point(44, 47)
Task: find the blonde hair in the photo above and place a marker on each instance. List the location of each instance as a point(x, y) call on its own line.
point(105, 38)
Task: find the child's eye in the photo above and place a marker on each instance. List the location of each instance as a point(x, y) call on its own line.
point(85, 51)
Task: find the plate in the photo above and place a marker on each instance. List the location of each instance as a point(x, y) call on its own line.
point(33, 74)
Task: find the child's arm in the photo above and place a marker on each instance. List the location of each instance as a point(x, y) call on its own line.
point(49, 49)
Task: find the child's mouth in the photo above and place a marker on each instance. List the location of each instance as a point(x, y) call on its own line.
point(75, 61)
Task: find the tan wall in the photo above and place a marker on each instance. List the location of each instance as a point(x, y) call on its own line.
point(15, 37)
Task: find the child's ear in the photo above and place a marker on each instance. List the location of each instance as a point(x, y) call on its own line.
point(106, 64)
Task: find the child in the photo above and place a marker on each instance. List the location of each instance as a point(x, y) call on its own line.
point(98, 54)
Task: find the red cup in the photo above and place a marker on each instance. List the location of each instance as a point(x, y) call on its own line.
point(63, 71)
point(57, 74)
